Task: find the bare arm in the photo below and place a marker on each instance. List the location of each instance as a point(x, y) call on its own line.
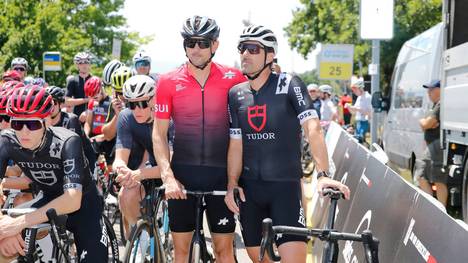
point(428, 123)
point(234, 162)
point(75, 102)
point(109, 130)
point(88, 123)
point(314, 135)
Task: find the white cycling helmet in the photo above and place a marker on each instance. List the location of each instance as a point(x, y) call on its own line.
point(109, 69)
point(19, 61)
point(357, 82)
point(141, 56)
point(312, 86)
point(326, 89)
point(139, 86)
point(82, 58)
point(260, 34)
point(200, 26)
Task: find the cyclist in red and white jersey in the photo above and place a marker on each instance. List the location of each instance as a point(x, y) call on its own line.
point(195, 96)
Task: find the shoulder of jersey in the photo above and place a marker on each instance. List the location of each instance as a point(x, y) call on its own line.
point(8, 133)
point(238, 87)
point(62, 133)
point(70, 78)
point(229, 72)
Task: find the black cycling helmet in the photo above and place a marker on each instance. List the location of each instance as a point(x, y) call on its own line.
point(57, 93)
point(200, 26)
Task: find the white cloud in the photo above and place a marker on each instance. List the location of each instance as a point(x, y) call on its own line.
point(163, 19)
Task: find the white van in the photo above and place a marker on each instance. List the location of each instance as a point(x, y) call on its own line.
point(418, 63)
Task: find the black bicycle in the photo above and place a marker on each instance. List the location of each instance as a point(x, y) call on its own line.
point(63, 249)
point(150, 239)
point(328, 235)
point(199, 252)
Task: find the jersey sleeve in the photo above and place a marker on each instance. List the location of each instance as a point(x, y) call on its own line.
point(235, 131)
point(75, 126)
point(163, 100)
point(124, 136)
point(74, 168)
point(91, 105)
point(300, 100)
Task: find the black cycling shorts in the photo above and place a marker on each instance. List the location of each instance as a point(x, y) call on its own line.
point(201, 178)
point(280, 201)
point(88, 229)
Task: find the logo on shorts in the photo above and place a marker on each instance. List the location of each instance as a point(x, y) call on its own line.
point(44, 177)
point(223, 221)
point(256, 113)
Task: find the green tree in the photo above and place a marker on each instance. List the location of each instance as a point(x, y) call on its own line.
point(28, 28)
point(337, 21)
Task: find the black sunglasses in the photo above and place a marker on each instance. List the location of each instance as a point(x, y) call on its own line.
point(32, 125)
point(142, 64)
point(202, 42)
point(19, 69)
point(141, 104)
point(5, 118)
point(253, 49)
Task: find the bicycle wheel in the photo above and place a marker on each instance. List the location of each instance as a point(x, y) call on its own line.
point(164, 233)
point(112, 244)
point(139, 248)
point(195, 253)
point(122, 230)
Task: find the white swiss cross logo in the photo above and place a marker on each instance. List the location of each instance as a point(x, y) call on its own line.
point(223, 221)
point(229, 75)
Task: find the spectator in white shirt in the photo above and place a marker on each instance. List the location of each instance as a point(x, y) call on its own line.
point(362, 108)
point(328, 111)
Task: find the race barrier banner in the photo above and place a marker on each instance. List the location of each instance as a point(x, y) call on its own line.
point(409, 224)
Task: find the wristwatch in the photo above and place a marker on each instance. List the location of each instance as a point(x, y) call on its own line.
point(322, 173)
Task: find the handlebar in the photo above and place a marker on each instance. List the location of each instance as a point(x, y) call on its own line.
point(201, 193)
point(370, 243)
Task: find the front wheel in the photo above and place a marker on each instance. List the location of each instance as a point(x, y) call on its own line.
point(112, 244)
point(138, 248)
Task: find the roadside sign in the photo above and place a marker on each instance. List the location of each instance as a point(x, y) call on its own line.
point(52, 61)
point(376, 19)
point(336, 61)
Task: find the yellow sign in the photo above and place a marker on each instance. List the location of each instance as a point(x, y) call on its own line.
point(335, 70)
point(336, 61)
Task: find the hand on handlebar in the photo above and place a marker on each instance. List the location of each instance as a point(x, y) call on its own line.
point(325, 182)
point(230, 200)
point(173, 188)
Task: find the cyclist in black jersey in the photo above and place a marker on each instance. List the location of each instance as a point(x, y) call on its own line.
point(70, 121)
point(75, 85)
point(53, 158)
point(266, 115)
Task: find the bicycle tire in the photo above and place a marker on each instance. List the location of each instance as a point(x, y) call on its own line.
point(134, 243)
point(196, 253)
point(112, 241)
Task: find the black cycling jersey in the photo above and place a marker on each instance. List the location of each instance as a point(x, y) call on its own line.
point(58, 164)
point(71, 122)
point(269, 123)
point(75, 89)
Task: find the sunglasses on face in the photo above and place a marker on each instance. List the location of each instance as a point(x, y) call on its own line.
point(142, 64)
point(82, 62)
point(19, 69)
point(252, 48)
point(32, 125)
point(202, 42)
point(5, 118)
point(141, 104)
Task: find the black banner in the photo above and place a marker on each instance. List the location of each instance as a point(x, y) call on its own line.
point(409, 225)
